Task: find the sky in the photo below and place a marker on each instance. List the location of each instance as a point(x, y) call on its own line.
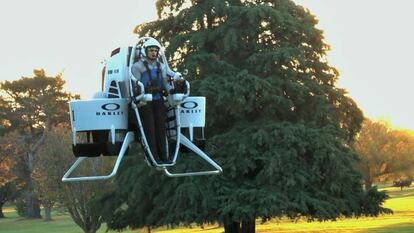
point(371, 45)
point(73, 36)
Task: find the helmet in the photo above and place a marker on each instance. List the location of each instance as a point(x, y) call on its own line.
point(151, 42)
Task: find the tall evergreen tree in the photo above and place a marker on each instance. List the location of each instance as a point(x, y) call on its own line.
point(277, 123)
point(33, 105)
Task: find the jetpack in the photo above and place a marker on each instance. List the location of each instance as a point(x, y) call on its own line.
point(107, 124)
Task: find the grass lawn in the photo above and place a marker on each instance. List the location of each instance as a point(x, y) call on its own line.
point(62, 223)
point(402, 221)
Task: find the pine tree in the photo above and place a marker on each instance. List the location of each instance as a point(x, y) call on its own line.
point(33, 105)
point(277, 123)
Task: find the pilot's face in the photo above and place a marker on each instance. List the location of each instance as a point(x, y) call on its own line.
point(152, 53)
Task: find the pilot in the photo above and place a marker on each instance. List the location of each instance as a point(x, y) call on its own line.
point(153, 76)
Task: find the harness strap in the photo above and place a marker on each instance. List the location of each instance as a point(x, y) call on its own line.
point(153, 82)
point(163, 91)
point(158, 70)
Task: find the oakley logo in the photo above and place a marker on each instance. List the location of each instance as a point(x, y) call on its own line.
point(110, 110)
point(189, 105)
point(110, 107)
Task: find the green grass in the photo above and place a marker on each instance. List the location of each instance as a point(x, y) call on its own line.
point(402, 221)
point(61, 223)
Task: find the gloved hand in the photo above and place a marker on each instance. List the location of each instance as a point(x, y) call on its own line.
point(180, 86)
point(177, 76)
point(137, 90)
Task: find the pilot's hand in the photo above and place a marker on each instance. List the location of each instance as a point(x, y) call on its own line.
point(180, 86)
point(177, 76)
point(136, 90)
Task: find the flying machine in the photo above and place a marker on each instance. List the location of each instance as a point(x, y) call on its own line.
point(107, 124)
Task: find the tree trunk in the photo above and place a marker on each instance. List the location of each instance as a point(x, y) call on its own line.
point(1, 210)
point(48, 212)
point(90, 231)
point(32, 203)
point(368, 184)
point(232, 227)
point(248, 226)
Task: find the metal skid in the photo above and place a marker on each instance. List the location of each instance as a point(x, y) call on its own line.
point(128, 139)
point(186, 142)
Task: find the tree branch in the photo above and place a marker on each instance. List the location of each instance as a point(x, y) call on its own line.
point(40, 142)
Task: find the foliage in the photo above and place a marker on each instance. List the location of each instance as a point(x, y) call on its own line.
point(277, 123)
point(21, 207)
point(402, 183)
point(55, 157)
point(10, 159)
point(4, 123)
point(8, 192)
point(33, 101)
point(384, 153)
point(10, 168)
point(33, 105)
point(38, 123)
point(80, 202)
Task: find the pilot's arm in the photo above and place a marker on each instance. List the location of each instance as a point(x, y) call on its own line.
point(167, 85)
point(137, 69)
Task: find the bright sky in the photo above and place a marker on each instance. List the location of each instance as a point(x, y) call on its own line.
point(72, 36)
point(371, 40)
point(372, 47)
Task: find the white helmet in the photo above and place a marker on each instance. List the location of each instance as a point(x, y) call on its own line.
point(151, 42)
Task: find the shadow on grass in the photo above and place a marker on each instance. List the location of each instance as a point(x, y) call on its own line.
point(396, 228)
point(396, 192)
